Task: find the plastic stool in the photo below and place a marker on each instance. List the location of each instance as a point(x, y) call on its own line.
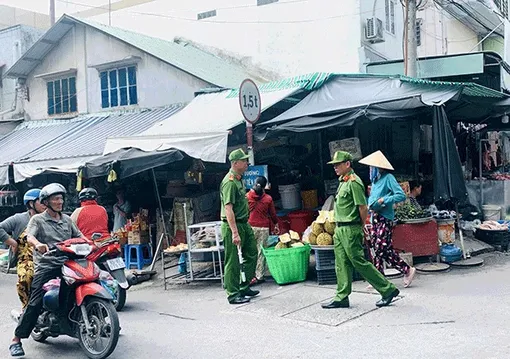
point(142, 255)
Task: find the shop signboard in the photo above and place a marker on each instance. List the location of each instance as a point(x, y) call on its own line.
point(351, 145)
point(252, 173)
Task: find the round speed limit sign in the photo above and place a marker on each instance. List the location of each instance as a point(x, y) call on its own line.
point(249, 100)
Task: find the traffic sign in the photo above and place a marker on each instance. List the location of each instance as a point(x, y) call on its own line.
point(249, 101)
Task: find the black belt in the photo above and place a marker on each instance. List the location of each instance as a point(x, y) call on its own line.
point(343, 224)
point(237, 221)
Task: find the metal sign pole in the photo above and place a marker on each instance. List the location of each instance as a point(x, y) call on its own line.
point(249, 142)
point(251, 108)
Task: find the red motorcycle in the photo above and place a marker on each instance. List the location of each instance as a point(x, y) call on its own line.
point(80, 306)
point(108, 256)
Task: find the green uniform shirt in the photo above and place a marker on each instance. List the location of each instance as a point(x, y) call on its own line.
point(232, 191)
point(349, 196)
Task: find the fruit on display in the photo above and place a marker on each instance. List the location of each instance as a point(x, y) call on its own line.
point(312, 239)
point(288, 240)
point(330, 227)
point(285, 238)
point(324, 239)
point(280, 245)
point(321, 230)
point(297, 244)
point(317, 228)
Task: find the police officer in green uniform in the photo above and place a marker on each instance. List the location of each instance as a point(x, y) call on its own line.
point(350, 215)
point(236, 231)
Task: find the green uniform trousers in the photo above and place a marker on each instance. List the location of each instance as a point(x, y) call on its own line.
point(233, 284)
point(349, 256)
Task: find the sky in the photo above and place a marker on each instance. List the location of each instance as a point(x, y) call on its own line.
point(187, 8)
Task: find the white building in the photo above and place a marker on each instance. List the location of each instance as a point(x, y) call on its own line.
point(292, 37)
point(80, 67)
point(286, 37)
point(14, 41)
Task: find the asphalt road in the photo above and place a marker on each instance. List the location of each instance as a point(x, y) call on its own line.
point(459, 314)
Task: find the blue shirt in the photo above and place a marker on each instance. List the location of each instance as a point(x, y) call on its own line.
point(387, 188)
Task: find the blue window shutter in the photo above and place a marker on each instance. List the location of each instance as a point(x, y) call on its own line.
point(58, 97)
point(114, 97)
point(65, 96)
point(105, 97)
point(104, 80)
point(73, 103)
point(132, 75)
point(122, 77)
point(133, 96)
point(123, 90)
point(51, 100)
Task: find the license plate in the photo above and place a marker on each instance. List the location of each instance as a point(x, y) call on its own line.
point(116, 263)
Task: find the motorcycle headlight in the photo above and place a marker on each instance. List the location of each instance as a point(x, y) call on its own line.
point(82, 249)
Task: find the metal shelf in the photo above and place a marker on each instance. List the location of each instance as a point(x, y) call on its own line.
point(215, 273)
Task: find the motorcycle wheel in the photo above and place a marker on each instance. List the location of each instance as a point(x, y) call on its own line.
point(101, 342)
point(121, 299)
point(38, 336)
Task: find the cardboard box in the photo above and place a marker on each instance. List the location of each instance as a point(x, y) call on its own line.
point(138, 237)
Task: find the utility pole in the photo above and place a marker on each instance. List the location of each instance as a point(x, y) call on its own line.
point(110, 12)
point(52, 12)
point(411, 53)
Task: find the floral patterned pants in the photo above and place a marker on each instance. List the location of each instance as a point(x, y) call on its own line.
point(380, 241)
point(25, 269)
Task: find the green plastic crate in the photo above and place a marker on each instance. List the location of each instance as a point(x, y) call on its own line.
point(288, 265)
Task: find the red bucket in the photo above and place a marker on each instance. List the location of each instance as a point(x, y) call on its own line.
point(300, 220)
point(283, 224)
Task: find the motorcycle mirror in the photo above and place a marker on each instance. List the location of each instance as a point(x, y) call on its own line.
point(96, 236)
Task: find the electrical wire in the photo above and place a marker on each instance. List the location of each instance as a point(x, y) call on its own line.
point(471, 15)
point(232, 22)
point(188, 10)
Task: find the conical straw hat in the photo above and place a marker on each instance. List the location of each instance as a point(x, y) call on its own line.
point(377, 159)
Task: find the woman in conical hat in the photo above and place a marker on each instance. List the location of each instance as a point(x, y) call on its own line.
point(385, 193)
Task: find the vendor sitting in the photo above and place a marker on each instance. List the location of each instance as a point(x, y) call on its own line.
point(415, 188)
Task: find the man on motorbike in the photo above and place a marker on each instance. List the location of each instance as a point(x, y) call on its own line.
point(44, 231)
point(91, 218)
point(13, 233)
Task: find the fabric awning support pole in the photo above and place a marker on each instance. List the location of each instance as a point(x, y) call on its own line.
point(321, 150)
point(449, 183)
point(165, 231)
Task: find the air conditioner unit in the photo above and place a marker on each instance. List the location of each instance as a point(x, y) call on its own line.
point(374, 30)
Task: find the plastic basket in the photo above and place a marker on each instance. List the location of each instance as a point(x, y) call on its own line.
point(288, 265)
point(328, 276)
point(324, 258)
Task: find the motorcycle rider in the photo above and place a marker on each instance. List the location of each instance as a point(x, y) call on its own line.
point(13, 233)
point(91, 218)
point(43, 232)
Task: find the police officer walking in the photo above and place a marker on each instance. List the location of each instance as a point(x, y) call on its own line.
point(350, 215)
point(236, 232)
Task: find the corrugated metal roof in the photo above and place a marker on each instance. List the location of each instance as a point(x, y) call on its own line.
point(199, 63)
point(31, 135)
point(88, 138)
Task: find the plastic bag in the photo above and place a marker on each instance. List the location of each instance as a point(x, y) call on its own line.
point(306, 234)
point(51, 285)
point(108, 283)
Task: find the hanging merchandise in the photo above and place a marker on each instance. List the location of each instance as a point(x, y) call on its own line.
point(9, 196)
point(194, 174)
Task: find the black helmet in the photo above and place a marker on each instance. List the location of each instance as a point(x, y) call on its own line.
point(50, 190)
point(87, 194)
